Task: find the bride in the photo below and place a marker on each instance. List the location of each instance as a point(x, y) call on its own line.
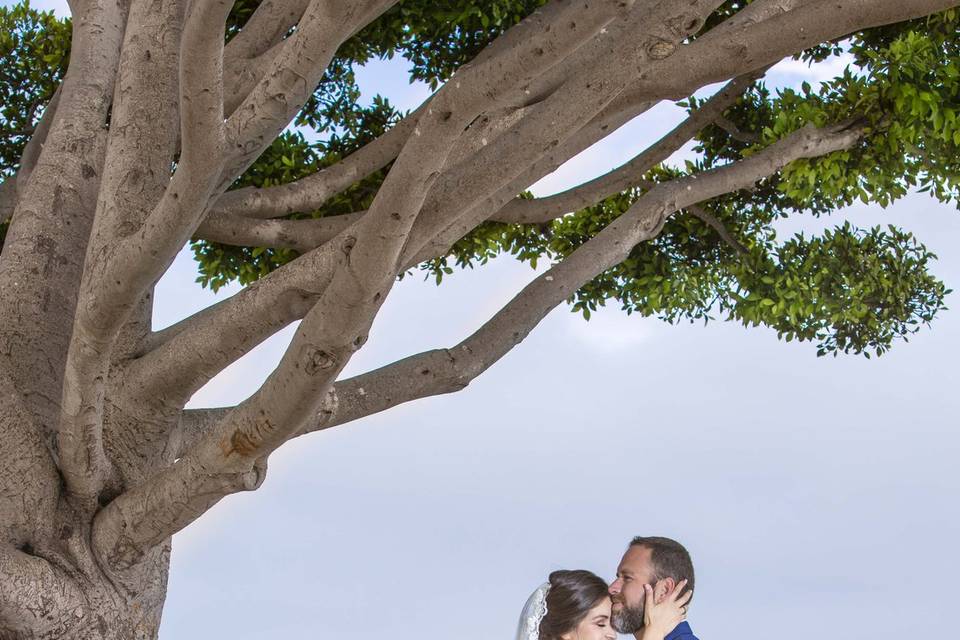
point(575, 605)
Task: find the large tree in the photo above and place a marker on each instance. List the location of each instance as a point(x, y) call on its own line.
point(136, 128)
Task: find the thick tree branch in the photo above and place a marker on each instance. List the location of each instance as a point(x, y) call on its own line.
point(654, 64)
point(304, 235)
point(241, 76)
point(766, 35)
point(299, 235)
point(42, 258)
point(118, 273)
point(448, 370)
point(271, 21)
point(630, 174)
point(460, 186)
point(311, 192)
point(292, 78)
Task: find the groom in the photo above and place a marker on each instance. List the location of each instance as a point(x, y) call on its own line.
point(659, 562)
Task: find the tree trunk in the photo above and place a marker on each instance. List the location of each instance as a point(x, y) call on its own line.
point(52, 583)
point(88, 606)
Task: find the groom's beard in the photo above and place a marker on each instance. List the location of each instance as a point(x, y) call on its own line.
point(628, 619)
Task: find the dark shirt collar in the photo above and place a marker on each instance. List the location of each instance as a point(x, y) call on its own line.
point(682, 630)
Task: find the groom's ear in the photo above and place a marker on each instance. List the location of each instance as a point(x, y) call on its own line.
point(663, 588)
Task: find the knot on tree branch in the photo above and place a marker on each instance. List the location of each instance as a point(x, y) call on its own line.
point(659, 49)
point(348, 244)
point(319, 360)
point(685, 25)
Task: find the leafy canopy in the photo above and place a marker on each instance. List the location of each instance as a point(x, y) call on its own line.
point(847, 289)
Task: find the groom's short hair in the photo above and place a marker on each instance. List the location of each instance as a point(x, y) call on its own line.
point(669, 558)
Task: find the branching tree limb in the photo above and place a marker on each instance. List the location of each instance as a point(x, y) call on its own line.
point(630, 174)
point(305, 235)
point(449, 370)
point(292, 77)
point(117, 274)
point(264, 30)
point(464, 183)
point(54, 213)
point(311, 192)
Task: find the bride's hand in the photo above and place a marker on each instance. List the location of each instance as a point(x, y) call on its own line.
point(660, 619)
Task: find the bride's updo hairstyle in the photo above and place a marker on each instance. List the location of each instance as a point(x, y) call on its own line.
point(571, 597)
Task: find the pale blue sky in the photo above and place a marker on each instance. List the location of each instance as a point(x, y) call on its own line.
point(814, 494)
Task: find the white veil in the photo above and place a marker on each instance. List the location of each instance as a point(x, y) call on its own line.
point(533, 613)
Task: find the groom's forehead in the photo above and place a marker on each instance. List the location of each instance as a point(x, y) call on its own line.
point(637, 558)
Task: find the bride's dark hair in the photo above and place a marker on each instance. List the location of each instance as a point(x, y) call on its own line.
point(571, 597)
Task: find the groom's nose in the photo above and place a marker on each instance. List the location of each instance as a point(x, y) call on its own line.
point(615, 587)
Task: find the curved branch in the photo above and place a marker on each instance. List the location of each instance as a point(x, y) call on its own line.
point(765, 35)
point(118, 273)
point(303, 235)
point(447, 370)
point(311, 192)
point(269, 23)
point(292, 78)
point(299, 235)
point(494, 78)
point(631, 174)
point(50, 228)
